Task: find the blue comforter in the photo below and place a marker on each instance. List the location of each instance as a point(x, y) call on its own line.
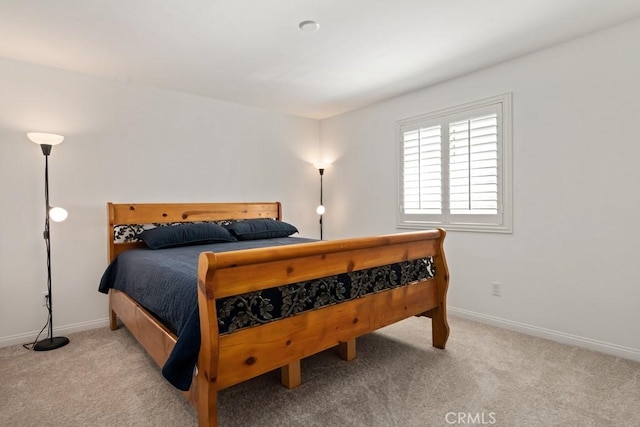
point(164, 281)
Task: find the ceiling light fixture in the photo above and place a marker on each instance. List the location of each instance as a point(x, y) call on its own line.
point(309, 26)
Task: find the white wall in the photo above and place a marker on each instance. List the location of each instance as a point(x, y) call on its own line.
point(569, 270)
point(124, 144)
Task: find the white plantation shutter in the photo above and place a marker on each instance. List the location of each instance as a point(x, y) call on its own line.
point(473, 166)
point(423, 171)
point(454, 166)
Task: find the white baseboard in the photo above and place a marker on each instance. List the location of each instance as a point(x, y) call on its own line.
point(561, 337)
point(29, 337)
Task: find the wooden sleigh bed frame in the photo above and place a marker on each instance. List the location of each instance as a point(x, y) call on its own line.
point(228, 359)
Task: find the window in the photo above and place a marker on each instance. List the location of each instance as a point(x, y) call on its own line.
point(455, 168)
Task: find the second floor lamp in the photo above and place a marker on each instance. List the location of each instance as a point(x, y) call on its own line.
point(320, 210)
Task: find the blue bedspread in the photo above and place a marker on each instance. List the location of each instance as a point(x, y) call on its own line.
point(164, 281)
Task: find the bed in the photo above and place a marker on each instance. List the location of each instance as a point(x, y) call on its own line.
point(265, 303)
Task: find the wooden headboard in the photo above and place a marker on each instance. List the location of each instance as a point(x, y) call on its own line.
point(161, 213)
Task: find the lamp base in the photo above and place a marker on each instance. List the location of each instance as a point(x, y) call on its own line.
point(51, 343)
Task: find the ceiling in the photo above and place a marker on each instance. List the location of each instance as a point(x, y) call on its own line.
point(252, 52)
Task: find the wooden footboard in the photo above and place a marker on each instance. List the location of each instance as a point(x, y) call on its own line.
point(229, 359)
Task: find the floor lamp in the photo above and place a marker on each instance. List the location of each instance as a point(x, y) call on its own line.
point(320, 210)
point(46, 141)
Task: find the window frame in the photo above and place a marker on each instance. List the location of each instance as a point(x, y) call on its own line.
point(502, 222)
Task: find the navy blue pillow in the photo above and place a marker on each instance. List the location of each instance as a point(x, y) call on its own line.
point(184, 235)
point(253, 229)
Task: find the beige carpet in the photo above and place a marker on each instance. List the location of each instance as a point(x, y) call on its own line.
point(486, 376)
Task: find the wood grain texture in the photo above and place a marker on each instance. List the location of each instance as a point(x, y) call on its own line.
point(347, 350)
point(162, 213)
point(255, 269)
point(290, 374)
point(153, 335)
point(438, 315)
point(253, 351)
point(146, 213)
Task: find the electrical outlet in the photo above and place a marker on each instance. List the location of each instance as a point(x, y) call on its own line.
point(496, 289)
point(45, 299)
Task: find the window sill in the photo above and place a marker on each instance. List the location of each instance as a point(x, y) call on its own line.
point(477, 228)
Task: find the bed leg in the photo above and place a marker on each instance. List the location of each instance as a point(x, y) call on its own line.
point(290, 375)
point(347, 350)
point(439, 327)
point(207, 405)
point(113, 320)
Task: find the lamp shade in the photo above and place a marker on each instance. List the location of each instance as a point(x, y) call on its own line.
point(45, 138)
point(321, 165)
point(320, 210)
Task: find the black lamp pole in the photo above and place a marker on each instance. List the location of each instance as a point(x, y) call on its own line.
point(49, 343)
point(321, 174)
